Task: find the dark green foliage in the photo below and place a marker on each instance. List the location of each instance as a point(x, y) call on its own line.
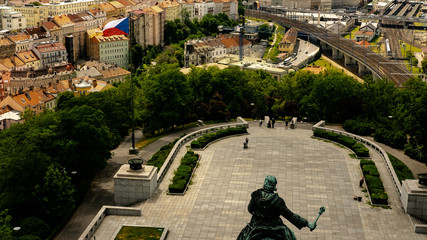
point(393, 138)
point(201, 142)
point(359, 128)
point(34, 226)
point(374, 183)
point(183, 173)
point(402, 171)
point(359, 149)
point(180, 30)
point(370, 170)
point(160, 156)
point(5, 225)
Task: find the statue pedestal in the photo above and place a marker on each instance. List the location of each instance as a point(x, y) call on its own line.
point(132, 186)
point(414, 199)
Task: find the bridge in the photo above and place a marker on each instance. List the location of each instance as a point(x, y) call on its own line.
point(353, 54)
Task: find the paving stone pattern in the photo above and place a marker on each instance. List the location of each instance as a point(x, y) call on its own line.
point(310, 173)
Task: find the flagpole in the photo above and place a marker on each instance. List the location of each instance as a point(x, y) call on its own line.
point(132, 150)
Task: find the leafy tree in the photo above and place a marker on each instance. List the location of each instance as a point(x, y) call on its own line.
point(36, 3)
point(165, 99)
point(5, 225)
point(264, 31)
point(424, 65)
point(55, 196)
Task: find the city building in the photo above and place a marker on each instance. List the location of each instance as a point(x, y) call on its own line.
point(34, 15)
point(23, 79)
point(210, 50)
point(120, 8)
point(109, 9)
point(172, 9)
point(288, 42)
point(99, 15)
point(57, 7)
point(187, 6)
point(129, 5)
point(51, 54)
point(149, 26)
point(23, 41)
point(38, 34)
point(30, 59)
point(7, 47)
point(112, 49)
point(203, 7)
point(53, 29)
point(108, 72)
point(66, 25)
point(34, 100)
point(13, 21)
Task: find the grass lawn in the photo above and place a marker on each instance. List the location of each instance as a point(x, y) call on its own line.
point(322, 62)
point(375, 42)
point(355, 30)
point(138, 233)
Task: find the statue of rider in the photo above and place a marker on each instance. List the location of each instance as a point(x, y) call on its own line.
point(266, 208)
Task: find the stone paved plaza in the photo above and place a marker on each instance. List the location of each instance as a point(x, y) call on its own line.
point(311, 173)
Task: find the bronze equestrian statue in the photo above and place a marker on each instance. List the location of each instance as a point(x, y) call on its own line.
point(266, 208)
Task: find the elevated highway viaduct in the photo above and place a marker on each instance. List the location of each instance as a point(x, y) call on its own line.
point(353, 54)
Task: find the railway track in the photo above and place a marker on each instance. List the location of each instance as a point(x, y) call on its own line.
point(375, 62)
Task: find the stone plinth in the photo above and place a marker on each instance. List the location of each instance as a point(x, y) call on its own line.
point(132, 186)
point(414, 198)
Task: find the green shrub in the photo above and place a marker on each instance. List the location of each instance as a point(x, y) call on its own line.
point(183, 173)
point(402, 171)
point(373, 181)
point(160, 156)
point(366, 162)
point(359, 149)
point(359, 128)
point(370, 170)
point(202, 141)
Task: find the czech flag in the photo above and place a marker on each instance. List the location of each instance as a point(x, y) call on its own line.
point(116, 27)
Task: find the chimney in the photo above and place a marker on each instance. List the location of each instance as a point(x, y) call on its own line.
point(95, 83)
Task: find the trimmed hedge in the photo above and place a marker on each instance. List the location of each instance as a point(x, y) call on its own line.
point(374, 183)
point(183, 173)
point(359, 128)
point(402, 171)
point(202, 141)
point(160, 156)
point(359, 149)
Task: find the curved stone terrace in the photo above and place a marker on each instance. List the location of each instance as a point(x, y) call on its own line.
point(310, 172)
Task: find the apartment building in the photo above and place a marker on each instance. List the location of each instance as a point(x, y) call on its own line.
point(38, 34)
point(99, 15)
point(13, 21)
point(112, 49)
point(288, 42)
point(172, 9)
point(189, 7)
point(23, 41)
point(30, 59)
point(209, 50)
point(51, 54)
point(34, 15)
point(120, 8)
point(53, 29)
point(57, 7)
point(203, 7)
point(109, 9)
point(7, 47)
point(149, 26)
point(66, 25)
